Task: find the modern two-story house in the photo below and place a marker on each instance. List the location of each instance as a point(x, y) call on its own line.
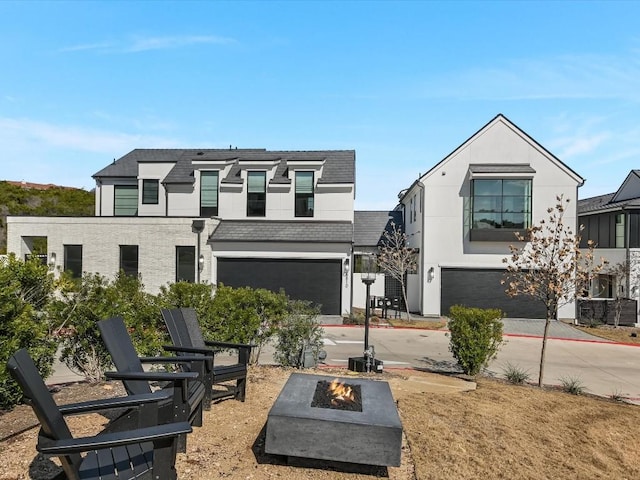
point(241, 217)
point(612, 222)
point(463, 213)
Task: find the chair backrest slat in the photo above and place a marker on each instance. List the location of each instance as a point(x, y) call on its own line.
point(180, 335)
point(123, 353)
point(52, 423)
point(193, 327)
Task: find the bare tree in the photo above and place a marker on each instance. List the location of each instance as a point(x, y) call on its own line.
point(397, 259)
point(550, 267)
point(620, 273)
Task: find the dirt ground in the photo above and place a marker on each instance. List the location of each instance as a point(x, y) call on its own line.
point(496, 431)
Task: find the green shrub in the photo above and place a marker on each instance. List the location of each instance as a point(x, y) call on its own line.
point(80, 305)
point(515, 374)
point(25, 290)
point(476, 336)
point(243, 315)
point(299, 334)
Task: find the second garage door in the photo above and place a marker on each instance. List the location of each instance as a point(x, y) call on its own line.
point(316, 280)
point(482, 289)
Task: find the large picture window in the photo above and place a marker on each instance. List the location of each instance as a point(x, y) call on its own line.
point(185, 264)
point(150, 189)
point(501, 203)
point(304, 194)
point(208, 193)
point(125, 202)
point(73, 260)
point(129, 259)
point(256, 194)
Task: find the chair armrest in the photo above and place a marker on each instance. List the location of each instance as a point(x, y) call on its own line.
point(153, 376)
point(213, 343)
point(180, 359)
point(117, 402)
point(175, 348)
point(115, 439)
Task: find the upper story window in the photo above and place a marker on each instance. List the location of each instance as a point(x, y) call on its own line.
point(73, 260)
point(150, 189)
point(208, 193)
point(500, 204)
point(304, 194)
point(129, 259)
point(125, 200)
point(256, 194)
point(620, 230)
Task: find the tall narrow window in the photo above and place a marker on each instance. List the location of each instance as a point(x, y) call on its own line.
point(125, 202)
point(186, 264)
point(620, 230)
point(208, 194)
point(73, 260)
point(304, 194)
point(150, 190)
point(129, 259)
point(256, 194)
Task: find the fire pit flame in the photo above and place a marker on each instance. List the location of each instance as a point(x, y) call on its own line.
point(340, 393)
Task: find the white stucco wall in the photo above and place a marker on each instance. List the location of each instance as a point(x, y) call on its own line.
point(446, 215)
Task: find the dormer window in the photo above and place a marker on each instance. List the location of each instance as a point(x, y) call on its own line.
point(256, 194)
point(304, 194)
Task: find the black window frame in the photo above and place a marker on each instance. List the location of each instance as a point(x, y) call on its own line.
point(130, 265)
point(185, 270)
point(209, 210)
point(118, 188)
point(501, 230)
point(150, 191)
point(72, 261)
point(304, 200)
point(256, 201)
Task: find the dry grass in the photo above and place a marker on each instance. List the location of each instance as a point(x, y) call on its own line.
point(608, 332)
point(497, 431)
point(423, 324)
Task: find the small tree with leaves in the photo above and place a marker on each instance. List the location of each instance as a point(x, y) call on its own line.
point(397, 259)
point(550, 267)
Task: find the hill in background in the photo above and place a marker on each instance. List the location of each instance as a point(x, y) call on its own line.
point(42, 200)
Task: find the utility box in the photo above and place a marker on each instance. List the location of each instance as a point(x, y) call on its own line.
point(359, 364)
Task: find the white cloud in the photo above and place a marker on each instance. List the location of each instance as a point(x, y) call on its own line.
point(17, 134)
point(142, 44)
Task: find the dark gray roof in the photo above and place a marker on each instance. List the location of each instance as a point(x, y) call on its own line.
point(234, 175)
point(501, 168)
point(369, 226)
point(339, 166)
point(282, 231)
point(280, 177)
point(604, 203)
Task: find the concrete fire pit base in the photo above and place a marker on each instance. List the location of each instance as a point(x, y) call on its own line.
point(370, 437)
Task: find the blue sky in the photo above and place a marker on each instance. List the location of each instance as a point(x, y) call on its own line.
point(401, 83)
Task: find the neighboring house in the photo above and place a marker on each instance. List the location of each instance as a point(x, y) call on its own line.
point(612, 222)
point(242, 217)
point(462, 215)
point(368, 234)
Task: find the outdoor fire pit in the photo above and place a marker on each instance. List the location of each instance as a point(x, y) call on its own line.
point(350, 420)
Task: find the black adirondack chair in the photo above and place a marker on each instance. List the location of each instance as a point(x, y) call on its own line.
point(186, 335)
point(144, 453)
point(187, 388)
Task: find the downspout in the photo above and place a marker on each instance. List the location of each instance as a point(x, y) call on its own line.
point(421, 255)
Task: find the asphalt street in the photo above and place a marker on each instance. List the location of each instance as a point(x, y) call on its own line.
point(603, 368)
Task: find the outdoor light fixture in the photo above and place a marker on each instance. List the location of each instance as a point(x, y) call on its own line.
point(52, 259)
point(345, 272)
point(368, 276)
point(201, 262)
point(431, 274)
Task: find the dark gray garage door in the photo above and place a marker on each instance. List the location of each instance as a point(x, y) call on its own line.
point(482, 289)
point(315, 280)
